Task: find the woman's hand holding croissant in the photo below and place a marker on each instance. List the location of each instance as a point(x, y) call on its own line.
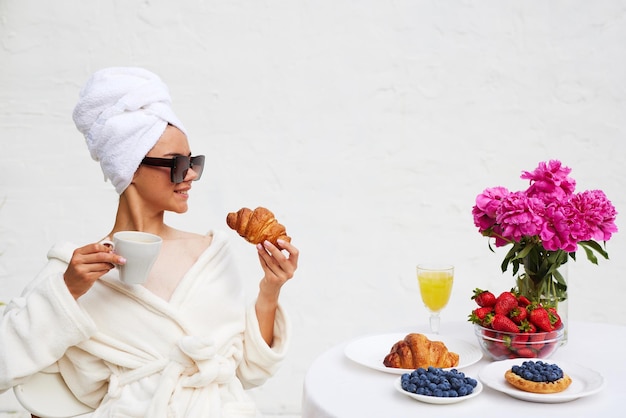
point(278, 258)
point(278, 268)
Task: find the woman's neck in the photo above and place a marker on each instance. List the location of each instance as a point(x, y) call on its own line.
point(132, 215)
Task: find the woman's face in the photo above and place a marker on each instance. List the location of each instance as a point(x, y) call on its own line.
point(154, 184)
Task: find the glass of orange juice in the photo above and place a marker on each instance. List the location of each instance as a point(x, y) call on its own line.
point(435, 283)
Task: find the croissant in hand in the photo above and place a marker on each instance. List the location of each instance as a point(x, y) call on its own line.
point(416, 351)
point(257, 225)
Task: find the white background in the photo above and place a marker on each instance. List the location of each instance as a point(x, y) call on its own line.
point(368, 127)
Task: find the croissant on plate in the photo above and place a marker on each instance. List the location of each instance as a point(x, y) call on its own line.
point(257, 225)
point(416, 351)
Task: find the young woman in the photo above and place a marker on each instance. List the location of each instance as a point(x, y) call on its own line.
point(185, 343)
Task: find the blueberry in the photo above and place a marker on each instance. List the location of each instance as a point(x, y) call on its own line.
point(444, 385)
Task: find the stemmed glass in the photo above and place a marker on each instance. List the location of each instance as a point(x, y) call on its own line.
point(435, 283)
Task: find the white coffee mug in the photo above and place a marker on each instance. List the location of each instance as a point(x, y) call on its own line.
point(140, 249)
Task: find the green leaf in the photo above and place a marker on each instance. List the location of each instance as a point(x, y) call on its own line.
point(510, 256)
point(526, 251)
point(590, 256)
point(593, 245)
point(561, 284)
point(516, 265)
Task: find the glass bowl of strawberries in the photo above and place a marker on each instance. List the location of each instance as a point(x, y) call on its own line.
point(499, 345)
point(511, 326)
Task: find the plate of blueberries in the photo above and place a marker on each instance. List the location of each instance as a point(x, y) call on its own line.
point(438, 386)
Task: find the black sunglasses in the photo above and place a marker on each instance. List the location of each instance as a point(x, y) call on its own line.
point(179, 165)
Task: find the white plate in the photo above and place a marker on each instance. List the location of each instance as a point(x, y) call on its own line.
point(433, 399)
point(370, 351)
point(585, 381)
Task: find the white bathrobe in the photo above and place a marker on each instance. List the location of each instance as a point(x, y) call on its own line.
point(128, 353)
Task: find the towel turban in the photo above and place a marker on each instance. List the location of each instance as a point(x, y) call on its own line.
point(122, 112)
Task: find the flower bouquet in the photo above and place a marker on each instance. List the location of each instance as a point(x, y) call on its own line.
point(545, 225)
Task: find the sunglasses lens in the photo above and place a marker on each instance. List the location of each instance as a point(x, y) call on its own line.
point(197, 165)
point(179, 169)
point(182, 164)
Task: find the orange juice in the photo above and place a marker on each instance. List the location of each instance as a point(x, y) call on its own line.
point(435, 287)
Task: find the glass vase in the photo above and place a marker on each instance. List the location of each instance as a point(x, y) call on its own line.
point(549, 290)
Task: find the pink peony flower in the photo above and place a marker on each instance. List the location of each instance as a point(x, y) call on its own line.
point(487, 204)
point(596, 215)
point(550, 181)
point(556, 232)
point(519, 216)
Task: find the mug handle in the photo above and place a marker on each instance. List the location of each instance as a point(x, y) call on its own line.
point(108, 243)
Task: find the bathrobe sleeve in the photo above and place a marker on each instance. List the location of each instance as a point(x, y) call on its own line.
point(38, 327)
point(261, 361)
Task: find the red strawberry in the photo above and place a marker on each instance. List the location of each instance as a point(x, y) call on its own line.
point(484, 298)
point(551, 335)
point(548, 349)
point(505, 303)
point(526, 352)
point(518, 341)
point(555, 319)
point(523, 301)
point(489, 334)
point(541, 318)
point(527, 326)
point(536, 341)
point(498, 350)
point(503, 323)
point(481, 316)
point(518, 314)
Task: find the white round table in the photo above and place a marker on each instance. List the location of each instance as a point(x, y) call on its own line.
point(338, 387)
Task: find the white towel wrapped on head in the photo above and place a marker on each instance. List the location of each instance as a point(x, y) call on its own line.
point(123, 111)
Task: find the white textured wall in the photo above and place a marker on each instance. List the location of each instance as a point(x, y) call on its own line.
point(368, 127)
